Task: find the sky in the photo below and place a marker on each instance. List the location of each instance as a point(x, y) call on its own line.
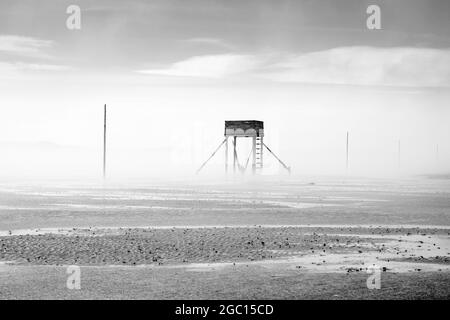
point(172, 71)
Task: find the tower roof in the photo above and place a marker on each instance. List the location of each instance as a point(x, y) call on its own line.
point(244, 128)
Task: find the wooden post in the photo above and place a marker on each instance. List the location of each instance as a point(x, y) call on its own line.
point(104, 143)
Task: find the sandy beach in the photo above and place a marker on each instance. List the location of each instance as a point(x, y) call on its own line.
point(231, 245)
point(220, 252)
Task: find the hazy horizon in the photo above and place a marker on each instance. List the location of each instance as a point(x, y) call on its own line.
point(172, 74)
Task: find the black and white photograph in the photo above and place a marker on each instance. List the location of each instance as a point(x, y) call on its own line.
point(224, 150)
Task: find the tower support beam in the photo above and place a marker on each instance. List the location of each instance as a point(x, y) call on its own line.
point(234, 154)
point(226, 155)
point(212, 155)
point(279, 160)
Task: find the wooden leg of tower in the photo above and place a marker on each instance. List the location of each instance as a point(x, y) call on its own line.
point(262, 152)
point(254, 155)
point(226, 155)
point(234, 154)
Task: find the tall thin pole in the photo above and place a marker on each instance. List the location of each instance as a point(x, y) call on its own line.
point(346, 161)
point(104, 144)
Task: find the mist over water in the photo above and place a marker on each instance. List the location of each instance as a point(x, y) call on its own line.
point(172, 132)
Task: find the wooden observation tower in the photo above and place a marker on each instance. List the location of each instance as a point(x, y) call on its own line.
point(245, 129)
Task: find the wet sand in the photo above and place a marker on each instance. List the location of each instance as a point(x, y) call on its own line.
point(227, 243)
point(239, 282)
point(312, 248)
point(337, 202)
point(227, 262)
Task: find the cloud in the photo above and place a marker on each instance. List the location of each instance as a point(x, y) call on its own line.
point(24, 46)
point(41, 67)
point(365, 66)
point(210, 42)
point(209, 66)
point(25, 55)
point(17, 70)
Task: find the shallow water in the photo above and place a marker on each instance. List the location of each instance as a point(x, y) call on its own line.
point(298, 202)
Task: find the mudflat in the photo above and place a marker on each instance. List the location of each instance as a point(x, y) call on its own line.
point(270, 241)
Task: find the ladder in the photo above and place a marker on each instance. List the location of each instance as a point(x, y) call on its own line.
point(259, 153)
